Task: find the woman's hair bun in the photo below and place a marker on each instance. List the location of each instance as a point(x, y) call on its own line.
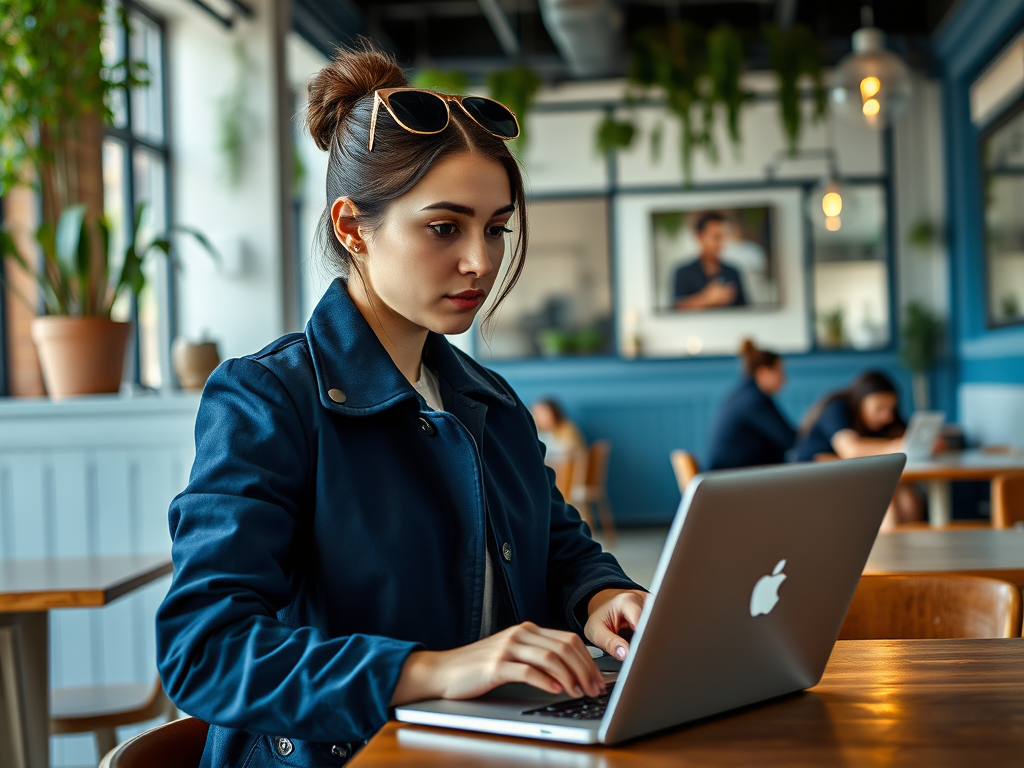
point(352, 74)
point(748, 348)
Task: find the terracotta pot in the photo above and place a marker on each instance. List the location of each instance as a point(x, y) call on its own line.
point(80, 355)
point(193, 363)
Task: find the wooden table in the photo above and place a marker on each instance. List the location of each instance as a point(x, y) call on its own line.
point(939, 472)
point(907, 703)
point(28, 590)
point(980, 551)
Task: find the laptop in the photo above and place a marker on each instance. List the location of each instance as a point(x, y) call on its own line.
point(747, 600)
point(922, 434)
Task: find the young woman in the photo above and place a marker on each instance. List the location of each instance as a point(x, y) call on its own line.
point(560, 435)
point(862, 420)
point(749, 430)
point(369, 520)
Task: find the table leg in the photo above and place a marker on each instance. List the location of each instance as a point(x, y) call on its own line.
point(940, 502)
point(31, 650)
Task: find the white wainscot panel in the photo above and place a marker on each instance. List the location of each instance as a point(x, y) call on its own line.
point(561, 155)
point(88, 477)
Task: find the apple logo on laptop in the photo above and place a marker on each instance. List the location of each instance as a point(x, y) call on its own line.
point(766, 591)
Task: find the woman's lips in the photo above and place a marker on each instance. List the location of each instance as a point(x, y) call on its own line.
point(467, 299)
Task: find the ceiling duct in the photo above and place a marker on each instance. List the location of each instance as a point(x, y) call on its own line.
point(587, 33)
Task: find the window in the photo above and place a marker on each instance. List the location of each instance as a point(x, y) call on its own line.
point(135, 172)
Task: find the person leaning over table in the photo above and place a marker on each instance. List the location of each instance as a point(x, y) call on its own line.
point(861, 420)
point(369, 520)
point(749, 430)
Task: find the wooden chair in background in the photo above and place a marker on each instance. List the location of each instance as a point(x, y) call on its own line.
point(12, 727)
point(102, 709)
point(590, 487)
point(178, 744)
point(928, 606)
point(570, 471)
point(1008, 500)
point(685, 467)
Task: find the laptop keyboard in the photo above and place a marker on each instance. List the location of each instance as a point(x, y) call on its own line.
point(586, 708)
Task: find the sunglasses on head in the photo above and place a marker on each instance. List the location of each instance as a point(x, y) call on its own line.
point(426, 112)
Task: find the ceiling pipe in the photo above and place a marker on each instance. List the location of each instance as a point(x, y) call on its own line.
point(587, 33)
point(507, 38)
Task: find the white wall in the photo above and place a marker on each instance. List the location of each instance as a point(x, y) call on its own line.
point(241, 307)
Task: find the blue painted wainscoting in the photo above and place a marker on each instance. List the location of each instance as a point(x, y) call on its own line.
point(647, 408)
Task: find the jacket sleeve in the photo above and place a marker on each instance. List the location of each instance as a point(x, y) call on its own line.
point(223, 654)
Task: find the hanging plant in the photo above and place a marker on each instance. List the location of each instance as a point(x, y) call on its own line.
point(233, 119)
point(516, 88)
point(695, 73)
point(794, 53)
point(452, 81)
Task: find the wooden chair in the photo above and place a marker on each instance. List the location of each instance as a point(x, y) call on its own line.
point(178, 744)
point(102, 709)
point(12, 729)
point(685, 467)
point(927, 606)
point(1008, 500)
point(591, 486)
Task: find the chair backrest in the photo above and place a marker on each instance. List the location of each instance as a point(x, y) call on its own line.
point(597, 464)
point(1008, 500)
point(926, 606)
point(566, 474)
point(685, 467)
point(178, 744)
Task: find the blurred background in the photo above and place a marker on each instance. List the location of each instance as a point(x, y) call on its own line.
point(867, 159)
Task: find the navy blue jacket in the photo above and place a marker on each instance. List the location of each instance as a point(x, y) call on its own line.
point(333, 524)
point(691, 278)
point(748, 430)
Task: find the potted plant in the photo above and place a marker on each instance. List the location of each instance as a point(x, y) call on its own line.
point(81, 349)
point(922, 333)
point(833, 327)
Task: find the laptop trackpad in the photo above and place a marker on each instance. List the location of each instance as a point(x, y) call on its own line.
point(520, 693)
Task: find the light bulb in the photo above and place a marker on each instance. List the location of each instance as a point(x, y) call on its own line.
point(833, 223)
point(832, 204)
point(869, 86)
point(871, 107)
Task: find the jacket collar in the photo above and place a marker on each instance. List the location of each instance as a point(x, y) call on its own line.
point(348, 358)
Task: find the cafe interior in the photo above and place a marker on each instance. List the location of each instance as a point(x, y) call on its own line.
point(767, 238)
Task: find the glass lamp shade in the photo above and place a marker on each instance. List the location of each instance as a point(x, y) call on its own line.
point(872, 84)
point(830, 204)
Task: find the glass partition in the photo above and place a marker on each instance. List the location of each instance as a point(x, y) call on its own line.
point(1002, 156)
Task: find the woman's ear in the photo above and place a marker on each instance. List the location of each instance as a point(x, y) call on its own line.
point(345, 220)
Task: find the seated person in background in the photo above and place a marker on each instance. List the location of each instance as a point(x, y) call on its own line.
point(556, 430)
point(749, 430)
point(862, 420)
point(707, 282)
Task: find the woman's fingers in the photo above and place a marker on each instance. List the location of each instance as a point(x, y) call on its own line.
point(573, 653)
point(608, 641)
point(514, 672)
point(548, 662)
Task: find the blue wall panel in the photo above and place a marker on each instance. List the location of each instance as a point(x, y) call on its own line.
point(647, 408)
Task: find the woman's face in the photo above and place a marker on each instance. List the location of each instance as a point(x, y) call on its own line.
point(878, 410)
point(771, 379)
point(543, 416)
point(435, 258)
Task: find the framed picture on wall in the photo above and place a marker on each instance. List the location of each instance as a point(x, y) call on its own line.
point(748, 245)
point(710, 259)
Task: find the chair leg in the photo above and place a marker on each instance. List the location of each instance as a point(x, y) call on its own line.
point(604, 514)
point(11, 705)
point(106, 740)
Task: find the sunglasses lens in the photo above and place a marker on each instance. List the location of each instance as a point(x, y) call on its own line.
point(492, 116)
point(419, 111)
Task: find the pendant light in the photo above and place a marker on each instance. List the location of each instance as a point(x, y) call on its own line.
point(871, 85)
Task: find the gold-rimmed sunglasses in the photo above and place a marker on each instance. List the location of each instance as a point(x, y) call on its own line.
point(425, 112)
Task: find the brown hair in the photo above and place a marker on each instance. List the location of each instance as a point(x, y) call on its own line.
point(338, 119)
point(868, 383)
point(754, 358)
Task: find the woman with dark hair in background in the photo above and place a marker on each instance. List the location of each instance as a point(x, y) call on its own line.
point(749, 430)
point(861, 420)
point(369, 521)
point(557, 431)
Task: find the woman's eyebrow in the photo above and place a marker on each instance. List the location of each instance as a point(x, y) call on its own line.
point(465, 210)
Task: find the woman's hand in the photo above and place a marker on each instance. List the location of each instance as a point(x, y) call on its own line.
point(547, 659)
point(610, 611)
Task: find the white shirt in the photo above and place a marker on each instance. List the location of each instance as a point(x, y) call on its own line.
point(428, 390)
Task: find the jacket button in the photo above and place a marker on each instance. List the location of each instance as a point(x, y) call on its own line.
point(337, 395)
point(284, 746)
point(338, 751)
point(426, 426)
point(506, 552)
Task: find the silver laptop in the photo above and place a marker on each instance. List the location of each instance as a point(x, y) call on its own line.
point(922, 433)
point(750, 592)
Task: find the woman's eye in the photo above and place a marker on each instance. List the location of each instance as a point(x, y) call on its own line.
point(443, 229)
point(498, 231)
